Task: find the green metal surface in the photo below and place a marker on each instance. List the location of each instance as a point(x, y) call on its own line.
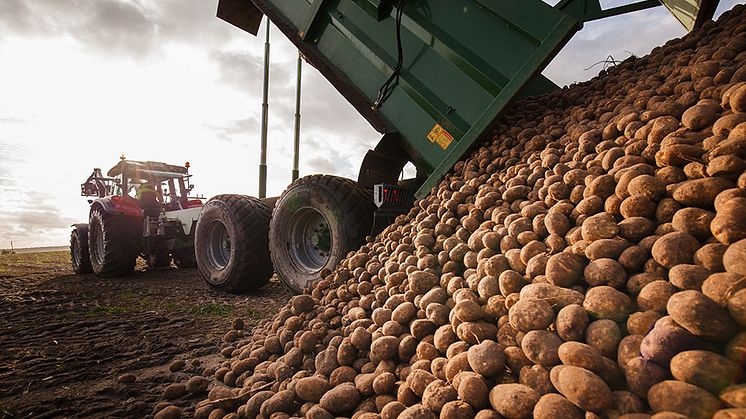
point(464, 60)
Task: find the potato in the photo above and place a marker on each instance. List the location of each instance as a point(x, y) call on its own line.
point(642, 322)
point(557, 297)
point(536, 377)
point(564, 269)
point(421, 282)
point(383, 348)
point(487, 358)
point(605, 272)
point(580, 355)
point(311, 389)
point(701, 192)
point(604, 335)
point(654, 296)
point(475, 332)
point(642, 374)
point(457, 409)
point(554, 406)
point(571, 323)
point(541, 346)
point(701, 316)
point(282, 401)
point(437, 394)
point(730, 413)
point(605, 302)
point(527, 315)
point(585, 389)
point(734, 395)
point(457, 364)
point(674, 249)
point(729, 225)
point(694, 221)
point(688, 277)
point(666, 340)
point(734, 256)
point(513, 400)
point(635, 229)
point(605, 248)
point(417, 411)
point(600, 226)
point(687, 399)
point(473, 390)
point(629, 347)
point(737, 307)
point(468, 311)
point(417, 381)
point(720, 286)
point(700, 116)
point(705, 369)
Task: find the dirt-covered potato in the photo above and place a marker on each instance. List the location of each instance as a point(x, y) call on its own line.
point(701, 316)
point(729, 225)
point(437, 394)
point(683, 398)
point(688, 277)
point(541, 346)
point(527, 315)
point(554, 406)
point(733, 258)
point(674, 249)
point(641, 374)
point(584, 389)
point(605, 302)
point(705, 369)
point(571, 322)
point(474, 391)
point(580, 355)
point(311, 389)
point(513, 400)
point(486, 358)
point(666, 340)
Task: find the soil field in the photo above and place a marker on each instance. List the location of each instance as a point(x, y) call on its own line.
point(82, 346)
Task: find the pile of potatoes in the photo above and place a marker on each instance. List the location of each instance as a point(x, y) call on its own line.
point(589, 260)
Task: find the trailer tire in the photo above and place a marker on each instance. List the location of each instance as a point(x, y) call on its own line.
point(315, 223)
point(79, 256)
point(113, 242)
point(231, 243)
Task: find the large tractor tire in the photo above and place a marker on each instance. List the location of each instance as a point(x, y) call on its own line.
point(315, 223)
point(231, 243)
point(79, 256)
point(114, 243)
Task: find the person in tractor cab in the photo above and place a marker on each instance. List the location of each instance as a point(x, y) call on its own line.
point(148, 198)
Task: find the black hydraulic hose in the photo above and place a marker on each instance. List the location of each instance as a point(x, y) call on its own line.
point(388, 86)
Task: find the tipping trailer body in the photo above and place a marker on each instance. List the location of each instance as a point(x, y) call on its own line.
point(464, 61)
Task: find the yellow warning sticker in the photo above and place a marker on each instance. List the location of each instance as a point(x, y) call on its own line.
point(440, 136)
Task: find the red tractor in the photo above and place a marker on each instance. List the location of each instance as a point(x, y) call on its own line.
point(141, 208)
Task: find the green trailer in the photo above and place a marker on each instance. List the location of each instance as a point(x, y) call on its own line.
point(433, 76)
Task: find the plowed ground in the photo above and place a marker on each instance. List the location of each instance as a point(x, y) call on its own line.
point(66, 339)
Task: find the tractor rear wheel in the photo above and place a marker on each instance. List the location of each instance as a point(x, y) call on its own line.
point(113, 242)
point(231, 243)
point(79, 256)
point(316, 221)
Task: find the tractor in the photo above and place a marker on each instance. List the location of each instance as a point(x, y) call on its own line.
point(140, 208)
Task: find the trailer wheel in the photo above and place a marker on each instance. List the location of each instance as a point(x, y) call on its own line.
point(79, 256)
point(316, 221)
point(113, 243)
point(231, 243)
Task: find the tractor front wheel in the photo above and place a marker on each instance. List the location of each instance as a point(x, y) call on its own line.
point(231, 244)
point(113, 243)
point(79, 256)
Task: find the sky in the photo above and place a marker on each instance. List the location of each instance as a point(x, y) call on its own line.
point(85, 81)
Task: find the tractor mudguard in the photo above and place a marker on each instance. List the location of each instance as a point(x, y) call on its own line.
point(117, 205)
